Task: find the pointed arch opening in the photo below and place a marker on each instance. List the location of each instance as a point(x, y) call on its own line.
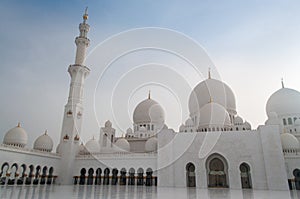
point(190, 175)
point(217, 171)
point(245, 176)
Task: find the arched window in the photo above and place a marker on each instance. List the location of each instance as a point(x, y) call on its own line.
point(284, 121)
point(245, 176)
point(290, 122)
point(190, 175)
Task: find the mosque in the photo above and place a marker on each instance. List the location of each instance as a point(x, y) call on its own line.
point(214, 148)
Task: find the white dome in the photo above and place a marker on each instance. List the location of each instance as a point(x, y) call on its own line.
point(285, 101)
point(92, 146)
point(181, 128)
point(82, 150)
point(16, 136)
point(108, 124)
point(189, 122)
point(247, 125)
point(297, 122)
point(289, 141)
point(129, 131)
point(122, 144)
point(148, 111)
point(151, 144)
point(238, 120)
point(213, 89)
point(43, 143)
point(214, 115)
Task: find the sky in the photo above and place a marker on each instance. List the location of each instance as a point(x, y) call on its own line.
point(252, 45)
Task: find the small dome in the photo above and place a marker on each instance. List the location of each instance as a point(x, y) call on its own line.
point(189, 122)
point(43, 143)
point(129, 131)
point(122, 144)
point(148, 111)
point(151, 144)
point(289, 141)
point(16, 136)
point(285, 101)
point(108, 123)
point(92, 146)
point(82, 150)
point(181, 128)
point(297, 122)
point(247, 125)
point(215, 115)
point(272, 119)
point(211, 89)
point(238, 120)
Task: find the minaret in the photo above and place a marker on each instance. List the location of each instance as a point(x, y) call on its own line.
point(78, 72)
point(71, 127)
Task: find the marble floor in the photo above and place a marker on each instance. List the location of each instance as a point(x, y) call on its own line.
point(135, 192)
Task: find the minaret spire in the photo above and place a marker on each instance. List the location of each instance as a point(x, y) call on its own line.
point(282, 84)
point(82, 42)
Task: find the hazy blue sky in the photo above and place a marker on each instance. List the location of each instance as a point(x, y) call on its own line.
point(253, 44)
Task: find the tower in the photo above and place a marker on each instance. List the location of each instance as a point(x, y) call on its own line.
point(72, 120)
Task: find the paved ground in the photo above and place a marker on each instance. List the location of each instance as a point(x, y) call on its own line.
point(134, 192)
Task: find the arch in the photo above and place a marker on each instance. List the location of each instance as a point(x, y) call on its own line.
point(149, 179)
point(21, 179)
point(106, 176)
point(123, 176)
point(30, 175)
point(4, 170)
point(82, 176)
point(245, 176)
point(13, 174)
point(296, 174)
point(98, 176)
point(131, 180)
point(114, 179)
point(190, 175)
point(140, 177)
point(37, 175)
point(50, 175)
point(44, 175)
point(217, 171)
point(90, 178)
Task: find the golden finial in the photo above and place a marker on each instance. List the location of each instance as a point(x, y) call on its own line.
point(19, 125)
point(209, 76)
point(85, 16)
point(149, 95)
point(282, 84)
point(46, 132)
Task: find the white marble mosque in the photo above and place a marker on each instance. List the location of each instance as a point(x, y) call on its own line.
point(215, 147)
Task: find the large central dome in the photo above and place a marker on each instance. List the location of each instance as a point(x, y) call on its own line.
point(148, 111)
point(211, 89)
